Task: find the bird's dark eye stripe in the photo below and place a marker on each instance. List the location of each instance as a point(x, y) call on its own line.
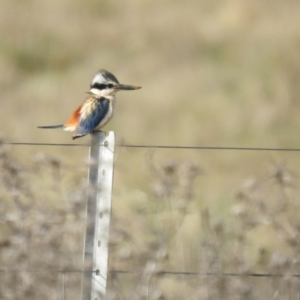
point(101, 86)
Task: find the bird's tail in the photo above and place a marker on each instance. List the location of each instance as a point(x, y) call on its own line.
point(51, 126)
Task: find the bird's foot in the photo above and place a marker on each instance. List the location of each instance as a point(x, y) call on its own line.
point(96, 131)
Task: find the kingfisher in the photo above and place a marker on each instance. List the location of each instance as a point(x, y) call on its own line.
point(98, 107)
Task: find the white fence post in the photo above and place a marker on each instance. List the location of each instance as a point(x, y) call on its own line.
point(94, 279)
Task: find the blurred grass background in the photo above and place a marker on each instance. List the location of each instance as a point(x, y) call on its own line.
point(214, 73)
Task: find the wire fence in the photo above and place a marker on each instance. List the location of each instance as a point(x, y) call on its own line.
point(162, 273)
point(159, 147)
point(214, 237)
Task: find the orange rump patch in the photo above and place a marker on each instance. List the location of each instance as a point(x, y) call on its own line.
point(74, 118)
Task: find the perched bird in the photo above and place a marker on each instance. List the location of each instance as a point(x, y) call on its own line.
point(98, 107)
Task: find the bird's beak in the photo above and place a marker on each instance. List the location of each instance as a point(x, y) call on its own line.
point(126, 87)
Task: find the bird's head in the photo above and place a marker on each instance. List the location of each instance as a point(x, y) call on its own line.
point(105, 84)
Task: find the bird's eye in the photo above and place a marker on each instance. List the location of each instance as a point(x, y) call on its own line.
point(110, 86)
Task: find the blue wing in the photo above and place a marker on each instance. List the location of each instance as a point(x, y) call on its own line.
point(93, 118)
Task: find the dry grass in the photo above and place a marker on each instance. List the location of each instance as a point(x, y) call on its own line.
point(170, 228)
point(213, 73)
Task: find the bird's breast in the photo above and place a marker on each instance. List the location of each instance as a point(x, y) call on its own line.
point(108, 115)
point(94, 107)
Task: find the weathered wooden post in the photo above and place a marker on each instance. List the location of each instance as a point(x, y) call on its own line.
point(94, 279)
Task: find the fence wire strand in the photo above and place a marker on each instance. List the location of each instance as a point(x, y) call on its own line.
point(161, 273)
point(158, 147)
